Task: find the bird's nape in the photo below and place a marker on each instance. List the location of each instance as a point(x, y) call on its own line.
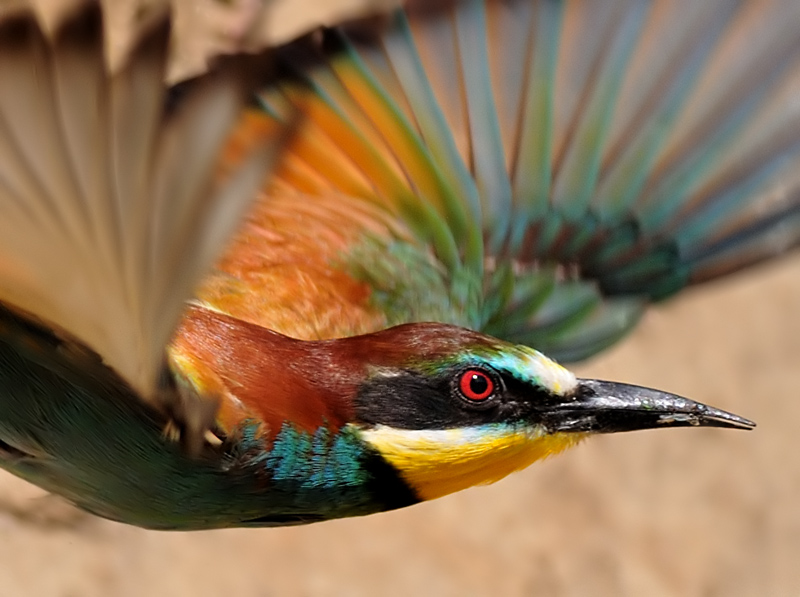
point(442, 407)
point(464, 183)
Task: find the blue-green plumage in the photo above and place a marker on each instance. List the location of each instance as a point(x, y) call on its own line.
point(532, 170)
point(613, 148)
point(56, 411)
point(318, 459)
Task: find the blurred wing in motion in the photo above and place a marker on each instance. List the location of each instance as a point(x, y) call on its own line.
point(110, 206)
point(537, 170)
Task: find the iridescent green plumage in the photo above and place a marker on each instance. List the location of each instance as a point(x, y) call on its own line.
point(558, 166)
point(535, 170)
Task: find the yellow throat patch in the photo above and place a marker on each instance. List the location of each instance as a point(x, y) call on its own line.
point(441, 461)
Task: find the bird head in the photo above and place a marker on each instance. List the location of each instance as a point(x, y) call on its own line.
point(445, 407)
point(449, 408)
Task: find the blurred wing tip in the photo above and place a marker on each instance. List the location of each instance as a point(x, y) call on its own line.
point(83, 29)
point(623, 86)
point(16, 28)
point(100, 179)
point(82, 23)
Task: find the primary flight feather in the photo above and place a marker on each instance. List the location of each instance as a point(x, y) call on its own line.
point(444, 188)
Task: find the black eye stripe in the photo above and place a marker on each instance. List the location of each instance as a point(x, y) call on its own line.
point(412, 399)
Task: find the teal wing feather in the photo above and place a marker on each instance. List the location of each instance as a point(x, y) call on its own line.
point(562, 165)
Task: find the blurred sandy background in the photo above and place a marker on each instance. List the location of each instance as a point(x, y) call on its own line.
point(677, 512)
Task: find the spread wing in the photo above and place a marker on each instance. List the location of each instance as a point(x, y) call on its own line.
point(110, 207)
point(538, 170)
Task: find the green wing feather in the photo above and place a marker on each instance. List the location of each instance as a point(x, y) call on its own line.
point(560, 165)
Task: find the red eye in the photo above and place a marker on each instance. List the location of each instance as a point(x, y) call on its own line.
point(476, 385)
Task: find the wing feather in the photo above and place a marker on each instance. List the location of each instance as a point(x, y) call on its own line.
point(111, 209)
point(558, 165)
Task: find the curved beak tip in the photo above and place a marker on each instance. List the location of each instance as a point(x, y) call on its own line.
point(610, 407)
point(707, 416)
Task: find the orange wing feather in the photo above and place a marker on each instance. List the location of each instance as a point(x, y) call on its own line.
point(280, 272)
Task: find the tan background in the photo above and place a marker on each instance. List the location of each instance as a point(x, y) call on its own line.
point(675, 512)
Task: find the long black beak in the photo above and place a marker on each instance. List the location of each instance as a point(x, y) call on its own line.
point(608, 407)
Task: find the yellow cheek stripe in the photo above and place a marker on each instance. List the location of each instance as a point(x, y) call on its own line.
point(438, 462)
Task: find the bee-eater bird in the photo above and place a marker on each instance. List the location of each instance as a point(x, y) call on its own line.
point(446, 188)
